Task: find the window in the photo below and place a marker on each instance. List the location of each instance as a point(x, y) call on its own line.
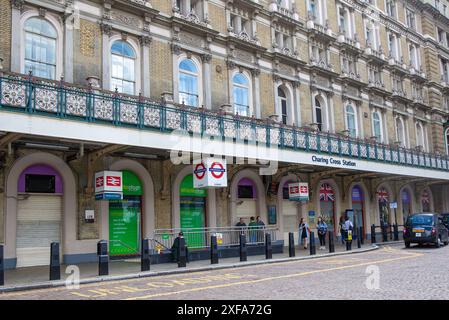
point(377, 127)
point(123, 59)
point(446, 135)
point(187, 7)
point(351, 122)
point(394, 46)
point(348, 64)
point(414, 58)
point(188, 83)
point(371, 34)
point(374, 74)
point(241, 24)
point(282, 100)
point(420, 135)
point(444, 66)
point(316, 9)
point(241, 94)
point(410, 17)
point(440, 35)
point(245, 192)
point(343, 23)
point(400, 132)
point(40, 48)
point(391, 8)
point(318, 114)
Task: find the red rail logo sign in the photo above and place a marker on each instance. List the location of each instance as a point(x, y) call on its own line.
point(217, 170)
point(99, 182)
point(113, 181)
point(200, 171)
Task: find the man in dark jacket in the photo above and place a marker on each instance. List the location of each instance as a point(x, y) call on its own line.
point(175, 248)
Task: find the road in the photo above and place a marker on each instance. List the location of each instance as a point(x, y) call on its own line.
point(392, 272)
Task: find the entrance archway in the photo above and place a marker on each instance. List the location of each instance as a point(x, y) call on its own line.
point(359, 207)
point(327, 205)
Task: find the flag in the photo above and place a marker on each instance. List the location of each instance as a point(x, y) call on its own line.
point(326, 192)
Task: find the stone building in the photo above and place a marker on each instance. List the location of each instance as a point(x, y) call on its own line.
point(352, 96)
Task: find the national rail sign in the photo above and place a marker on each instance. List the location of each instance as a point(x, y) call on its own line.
point(210, 173)
point(108, 185)
point(298, 191)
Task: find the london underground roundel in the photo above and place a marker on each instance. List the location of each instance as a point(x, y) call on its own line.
point(200, 171)
point(217, 170)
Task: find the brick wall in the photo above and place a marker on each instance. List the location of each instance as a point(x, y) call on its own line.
point(161, 69)
point(5, 39)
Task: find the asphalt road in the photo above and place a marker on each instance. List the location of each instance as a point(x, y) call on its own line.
point(391, 272)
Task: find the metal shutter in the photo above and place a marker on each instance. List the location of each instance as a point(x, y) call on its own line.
point(289, 220)
point(246, 210)
point(38, 225)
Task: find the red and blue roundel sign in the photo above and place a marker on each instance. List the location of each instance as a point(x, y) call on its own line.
point(200, 171)
point(217, 170)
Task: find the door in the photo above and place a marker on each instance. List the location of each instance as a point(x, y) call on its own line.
point(193, 217)
point(289, 220)
point(38, 225)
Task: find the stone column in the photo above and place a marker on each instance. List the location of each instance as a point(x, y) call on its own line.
point(256, 93)
point(297, 103)
point(207, 89)
point(16, 31)
point(145, 42)
point(68, 45)
point(106, 73)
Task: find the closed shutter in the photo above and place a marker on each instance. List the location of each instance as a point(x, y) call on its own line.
point(247, 209)
point(289, 220)
point(38, 225)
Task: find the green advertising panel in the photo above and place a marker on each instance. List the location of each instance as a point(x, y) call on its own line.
point(188, 190)
point(124, 218)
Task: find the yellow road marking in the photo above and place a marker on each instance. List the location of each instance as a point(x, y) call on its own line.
point(270, 278)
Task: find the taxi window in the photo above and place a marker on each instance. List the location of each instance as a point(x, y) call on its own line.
point(421, 219)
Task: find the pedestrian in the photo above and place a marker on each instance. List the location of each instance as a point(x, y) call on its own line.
point(240, 229)
point(322, 230)
point(260, 227)
point(349, 226)
point(304, 232)
point(252, 226)
point(342, 229)
point(175, 248)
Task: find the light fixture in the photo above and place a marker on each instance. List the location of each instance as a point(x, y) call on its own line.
point(46, 146)
point(140, 155)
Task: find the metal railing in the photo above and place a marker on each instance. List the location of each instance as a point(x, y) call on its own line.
point(197, 238)
point(58, 99)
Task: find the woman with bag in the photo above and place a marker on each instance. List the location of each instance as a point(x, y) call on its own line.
point(322, 230)
point(304, 232)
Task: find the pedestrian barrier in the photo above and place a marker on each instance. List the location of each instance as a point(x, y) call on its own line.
point(2, 266)
point(291, 244)
point(145, 256)
point(103, 258)
point(268, 247)
point(55, 265)
point(243, 249)
point(312, 243)
point(213, 250)
point(331, 242)
point(182, 253)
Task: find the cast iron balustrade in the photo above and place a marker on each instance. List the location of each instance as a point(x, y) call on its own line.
point(30, 95)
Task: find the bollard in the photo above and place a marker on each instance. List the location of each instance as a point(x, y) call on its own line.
point(55, 266)
point(2, 266)
point(373, 233)
point(291, 245)
point(213, 250)
point(384, 233)
point(243, 252)
point(312, 243)
point(396, 232)
point(359, 236)
point(268, 248)
point(331, 242)
point(103, 258)
point(145, 256)
point(362, 236)
point(391, 231)
point(182, 253)
point(349, 240)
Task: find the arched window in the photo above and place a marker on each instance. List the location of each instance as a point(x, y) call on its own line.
point(188, 83)
point(282, 100)
point(241, 94)
point(420, 135)
point(400, 132)
point(40, 48)
point(377, 126)
point(318, 114)
point(447, 140)
point(351, 122)
point(123, 61)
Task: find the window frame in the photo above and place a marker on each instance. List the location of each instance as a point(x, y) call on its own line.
point(136, 67)
point(373, 120)
point(189, 73)
point(250, 92)
point(353, 114)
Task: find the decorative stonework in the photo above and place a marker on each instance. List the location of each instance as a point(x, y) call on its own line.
point(106, 28)
point(125, 19)
point(190, 39)
point(88, 37)
point(17, 4)
point(145, 40)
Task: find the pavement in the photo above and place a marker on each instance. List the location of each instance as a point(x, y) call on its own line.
point(37, 277)
point(387, 272)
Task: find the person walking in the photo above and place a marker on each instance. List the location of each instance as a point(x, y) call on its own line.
point(175, 248)
point(322, 230)
point(240, 229)
point(252, 226)
point(342, 229)
point(304, 232)
point(349, 226)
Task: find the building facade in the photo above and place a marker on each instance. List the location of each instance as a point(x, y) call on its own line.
point(353, 96)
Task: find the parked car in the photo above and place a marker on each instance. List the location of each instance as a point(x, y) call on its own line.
point(425, 228)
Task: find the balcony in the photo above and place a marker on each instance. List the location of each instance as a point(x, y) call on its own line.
point(400, 95)
point(398, 67)
point(322, 66)
point(59, 110)
point(419, 102)
point(417, 75)
point(349, 45)
point(353, 78)
point(445, 82)
point(374, 56)
point(244, 37)
point(319, 31)
point(378, 87)
point(288, 15)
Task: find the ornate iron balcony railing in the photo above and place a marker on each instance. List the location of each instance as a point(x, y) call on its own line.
point(57, 99)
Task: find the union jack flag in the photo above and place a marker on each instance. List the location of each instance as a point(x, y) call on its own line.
point(425, 198)
point(326, 192)
point(382, 195)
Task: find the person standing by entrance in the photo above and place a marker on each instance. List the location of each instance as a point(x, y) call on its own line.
point(342, 226)
point(303, 232)
point(252, 226)
point(322, 230)
point(260, 227)
point(240, 229)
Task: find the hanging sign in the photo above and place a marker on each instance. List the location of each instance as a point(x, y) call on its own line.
point(298, 191)
point(210, 173)
point(108, 185)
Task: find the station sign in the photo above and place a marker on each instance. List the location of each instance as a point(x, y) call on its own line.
point(109, 185)
point(210, 173)
point(298, 191)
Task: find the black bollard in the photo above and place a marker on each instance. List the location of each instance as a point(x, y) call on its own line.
point(391, 231)
point(145, 256)
point(362, 236)
point(331, 242)
point(213, 250)
point(268, 248)
point(55, 265)
point(312, 244)
point(243, 251)
point(182, 253)
point(359, 236)
point(384, 233)
point(103, 258)
point(373, 233)
point(396, 232)
point(2, 266)
point(291, 245)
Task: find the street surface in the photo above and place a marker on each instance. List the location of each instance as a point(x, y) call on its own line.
point(391, 272)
